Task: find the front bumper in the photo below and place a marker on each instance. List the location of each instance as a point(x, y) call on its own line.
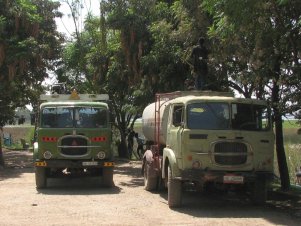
point(229, 177)
point(74, 163)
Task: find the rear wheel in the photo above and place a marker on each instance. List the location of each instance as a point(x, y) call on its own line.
point(107, 176)
point(41, 178)
point(150, 183)
point(174, 190)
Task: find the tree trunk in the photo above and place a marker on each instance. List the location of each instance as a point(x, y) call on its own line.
point(1, 154)
point(281, 157)
point(122, 149)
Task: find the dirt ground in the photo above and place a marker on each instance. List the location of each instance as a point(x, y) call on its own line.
point(85, 202)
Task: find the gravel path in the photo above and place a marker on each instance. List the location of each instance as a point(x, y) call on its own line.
point(84, 202)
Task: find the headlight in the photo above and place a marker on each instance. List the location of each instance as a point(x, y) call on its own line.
point(47, 155)
point(196, 165)
point(101, 155)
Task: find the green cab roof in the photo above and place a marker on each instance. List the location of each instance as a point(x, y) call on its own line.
point(74, 104)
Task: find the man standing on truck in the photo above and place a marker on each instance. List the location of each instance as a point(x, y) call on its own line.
point(200, 68)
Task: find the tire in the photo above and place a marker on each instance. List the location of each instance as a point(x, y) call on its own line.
point(259, 191)
point(41, 178)
point(174, 191)
point(107, 177)
point(150, 183)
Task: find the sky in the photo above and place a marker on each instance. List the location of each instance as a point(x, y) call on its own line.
point(66, 25)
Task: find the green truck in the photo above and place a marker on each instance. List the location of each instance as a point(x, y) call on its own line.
point(73, 138)
point(208, 139)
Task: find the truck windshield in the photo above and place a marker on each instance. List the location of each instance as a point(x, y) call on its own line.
point(208, 116)
point(223, 116)
point(250, 117)
point(78, 117)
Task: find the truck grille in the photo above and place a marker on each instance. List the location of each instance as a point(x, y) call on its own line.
point(230, 153)
point(74, 146)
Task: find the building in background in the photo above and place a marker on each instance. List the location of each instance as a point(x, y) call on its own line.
point(23, 116)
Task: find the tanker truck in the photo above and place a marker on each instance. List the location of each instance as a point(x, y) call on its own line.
point(207, 139)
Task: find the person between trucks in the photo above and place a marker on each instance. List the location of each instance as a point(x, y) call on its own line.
point(130, 139)
point(140, 145)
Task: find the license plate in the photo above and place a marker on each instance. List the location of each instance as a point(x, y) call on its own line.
point(232, 179)
point(90, 163)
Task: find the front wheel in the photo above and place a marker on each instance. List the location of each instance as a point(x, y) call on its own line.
point(107, 176)
point(174, 190)
point(41, 178)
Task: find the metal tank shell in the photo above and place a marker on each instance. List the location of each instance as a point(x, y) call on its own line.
point(148, 121)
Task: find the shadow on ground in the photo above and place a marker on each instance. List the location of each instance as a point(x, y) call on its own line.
point(238, 205)
point(16, 163)
point(212, 205)
point(78, 186)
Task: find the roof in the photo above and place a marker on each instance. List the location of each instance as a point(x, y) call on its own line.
point(74, 97)
point(187, 99)
point(74, 103)
point(191, 96)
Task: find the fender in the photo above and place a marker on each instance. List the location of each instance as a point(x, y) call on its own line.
point(35, 150)
point(169, 155)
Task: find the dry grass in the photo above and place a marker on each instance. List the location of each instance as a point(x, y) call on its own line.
point(293, 151)
point(292, 146)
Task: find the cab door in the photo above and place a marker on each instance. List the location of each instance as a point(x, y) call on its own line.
point(175, 129)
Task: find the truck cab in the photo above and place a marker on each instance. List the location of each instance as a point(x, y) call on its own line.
point(73, 138)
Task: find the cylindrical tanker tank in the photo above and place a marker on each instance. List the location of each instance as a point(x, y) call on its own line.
point(148, 122)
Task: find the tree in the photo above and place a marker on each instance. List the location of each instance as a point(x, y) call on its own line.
point(102, 66)
point(75, 66)
point(164, 63)
point(127, 21)
point(145, 48)
point(133, 51)
point(262, 55)
point(29, 44)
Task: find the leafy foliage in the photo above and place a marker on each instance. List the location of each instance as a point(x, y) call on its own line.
point(29, 45)
point(264, 36)
point(135, 50)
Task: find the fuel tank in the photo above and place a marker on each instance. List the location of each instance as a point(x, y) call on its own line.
point(149, 121)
